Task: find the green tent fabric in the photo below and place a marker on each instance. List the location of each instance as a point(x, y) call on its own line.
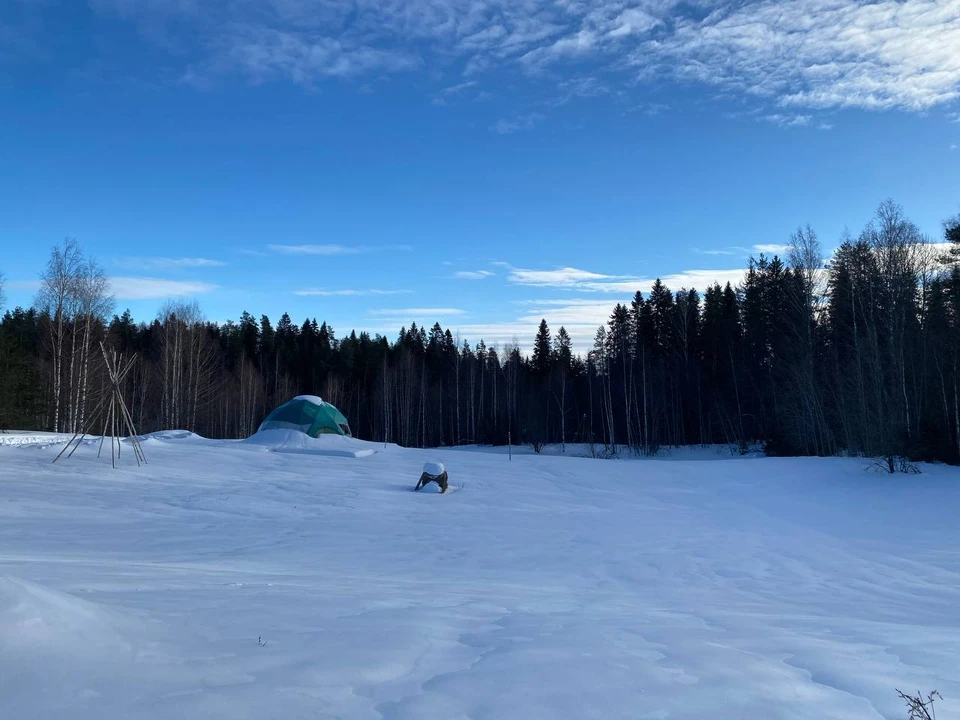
point(308, 414)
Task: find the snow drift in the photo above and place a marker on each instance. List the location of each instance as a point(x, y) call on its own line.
point(285, 440)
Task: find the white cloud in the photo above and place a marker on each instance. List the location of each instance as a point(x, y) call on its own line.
point(561, 277)
point(319, 292)
point(147, 288)
point(165, 263)
point(788, 121)
point(701, 279)
point(821, 53)
point(580, 43)
point(797, 54)
point(772, 249)
point(633, 21)
point(586, 281)
point(472, 274)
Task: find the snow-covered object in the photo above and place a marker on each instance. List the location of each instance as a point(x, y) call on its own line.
point(315, 399)
point(433, 469)
point(285, 440)
point(551, 587)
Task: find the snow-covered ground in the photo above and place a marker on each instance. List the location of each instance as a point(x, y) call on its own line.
point(223, 581)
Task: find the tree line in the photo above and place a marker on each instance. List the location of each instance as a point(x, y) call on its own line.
point(857, 354)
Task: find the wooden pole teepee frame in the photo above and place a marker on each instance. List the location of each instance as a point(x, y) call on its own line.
point(113, 410)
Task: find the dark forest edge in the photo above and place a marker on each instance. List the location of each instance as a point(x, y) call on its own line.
point(859, 355)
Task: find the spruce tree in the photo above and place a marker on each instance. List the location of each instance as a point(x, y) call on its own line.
point(542, 351)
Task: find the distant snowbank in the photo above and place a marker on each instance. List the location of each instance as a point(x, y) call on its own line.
point(37, 438)
point(294, 441)
point(32, 437)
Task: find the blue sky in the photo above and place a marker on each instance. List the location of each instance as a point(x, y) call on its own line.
point(478, 162)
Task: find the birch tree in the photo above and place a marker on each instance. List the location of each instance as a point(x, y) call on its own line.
point(56, 299)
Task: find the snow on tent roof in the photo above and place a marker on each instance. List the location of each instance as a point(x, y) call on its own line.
point(308, 414)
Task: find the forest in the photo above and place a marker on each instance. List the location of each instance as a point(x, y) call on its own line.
point(857, 353)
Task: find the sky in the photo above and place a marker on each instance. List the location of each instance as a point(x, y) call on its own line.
point(481, 163)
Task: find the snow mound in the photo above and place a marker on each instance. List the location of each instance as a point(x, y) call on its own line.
point(285, 440)
point(313, 399)
point(173, 435)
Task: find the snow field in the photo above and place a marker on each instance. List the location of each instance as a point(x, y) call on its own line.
point(225, 581)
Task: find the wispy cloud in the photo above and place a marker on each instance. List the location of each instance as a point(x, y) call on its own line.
point(816, 54)
point(168, 263)
point(472, 274)
point(788, 121)
point(508, 126)
point(453, 91)
point(720, 251)
point(320, 292)
point(794, 54)
point(148, 288)
point(303, 55)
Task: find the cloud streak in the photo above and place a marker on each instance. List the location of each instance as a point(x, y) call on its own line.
point(472, 275)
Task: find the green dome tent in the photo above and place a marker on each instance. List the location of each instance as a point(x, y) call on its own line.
point(308, 414)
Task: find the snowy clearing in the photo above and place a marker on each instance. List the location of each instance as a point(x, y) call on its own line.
point(225, 581)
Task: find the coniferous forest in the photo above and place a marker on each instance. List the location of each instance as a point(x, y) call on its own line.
point(858, 353)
